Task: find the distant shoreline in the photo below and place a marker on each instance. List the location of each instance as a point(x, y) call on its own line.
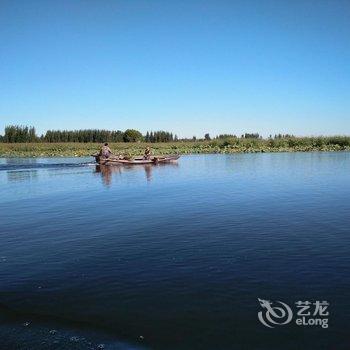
point(228, 146)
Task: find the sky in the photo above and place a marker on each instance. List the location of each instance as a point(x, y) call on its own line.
point(185, 66)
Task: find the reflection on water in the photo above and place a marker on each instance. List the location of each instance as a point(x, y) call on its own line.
point(24, 175)
point(20, 161)
point(20, 175)
point(21, 169)
point(107, 171)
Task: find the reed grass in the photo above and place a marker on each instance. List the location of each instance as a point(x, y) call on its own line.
point(229, 145)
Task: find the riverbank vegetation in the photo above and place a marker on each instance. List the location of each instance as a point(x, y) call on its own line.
point(229, 145)
point(22, 141)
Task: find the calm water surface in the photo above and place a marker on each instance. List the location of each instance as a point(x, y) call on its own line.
point(173, 256)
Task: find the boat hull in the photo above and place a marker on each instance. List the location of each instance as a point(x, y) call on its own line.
point(136, 161)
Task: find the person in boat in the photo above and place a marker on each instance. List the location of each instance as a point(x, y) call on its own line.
point(105, 151)
point(147, 154)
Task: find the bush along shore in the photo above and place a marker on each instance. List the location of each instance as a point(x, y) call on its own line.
point(220, 146)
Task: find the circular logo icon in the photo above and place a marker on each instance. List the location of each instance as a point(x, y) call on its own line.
point(275, 313)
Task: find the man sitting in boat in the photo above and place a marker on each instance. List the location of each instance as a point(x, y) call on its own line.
point(105, 151)
point(147, 154)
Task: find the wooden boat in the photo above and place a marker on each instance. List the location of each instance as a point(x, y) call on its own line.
point(140, 160)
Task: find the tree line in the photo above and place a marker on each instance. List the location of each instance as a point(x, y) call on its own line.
point(15, 133)
point(26, 134)
point(19, 133)
point(160, 136)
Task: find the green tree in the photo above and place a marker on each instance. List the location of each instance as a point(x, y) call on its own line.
point(18, 133)
point(131, 135)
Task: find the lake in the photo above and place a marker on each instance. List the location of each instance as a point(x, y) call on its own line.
point(174, 256)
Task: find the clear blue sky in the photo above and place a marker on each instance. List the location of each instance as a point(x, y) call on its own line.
point(185, 66)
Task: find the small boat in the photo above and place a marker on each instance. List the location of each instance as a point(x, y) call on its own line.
point(140, 160)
